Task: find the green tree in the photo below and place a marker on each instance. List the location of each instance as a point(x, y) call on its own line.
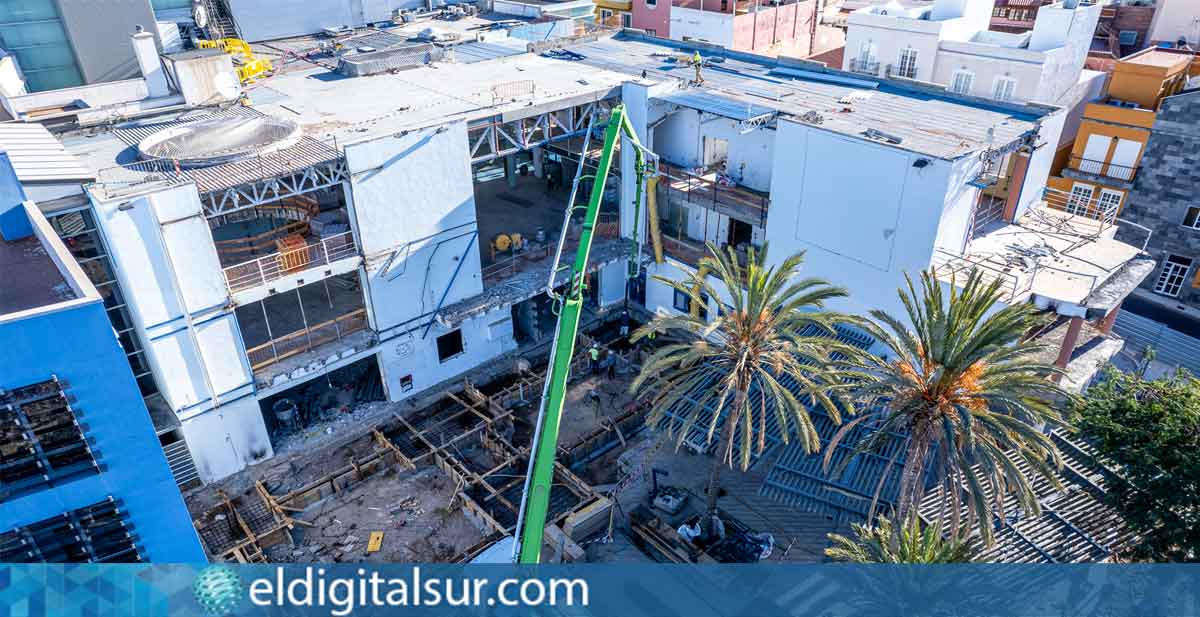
point(966, 388)
point(883, 542)
point(1149, 432)
point(772, 330)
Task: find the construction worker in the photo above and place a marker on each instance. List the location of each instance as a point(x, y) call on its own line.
point(594, 356)
point(697, 62)
point(624, 324)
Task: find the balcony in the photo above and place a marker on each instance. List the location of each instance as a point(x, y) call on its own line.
point(713, 190)
point(1101, 168)
point(1102, 209)
point(869, 66)
point(306, 339)
point(294, 256)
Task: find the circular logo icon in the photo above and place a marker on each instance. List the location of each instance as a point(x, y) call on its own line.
point(218, 590)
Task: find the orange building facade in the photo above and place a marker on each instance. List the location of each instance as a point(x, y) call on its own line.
point(1094, 178)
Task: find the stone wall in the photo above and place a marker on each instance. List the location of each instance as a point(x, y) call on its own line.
point(1166, 185)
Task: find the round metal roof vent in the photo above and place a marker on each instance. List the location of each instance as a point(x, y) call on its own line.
point(220, 139)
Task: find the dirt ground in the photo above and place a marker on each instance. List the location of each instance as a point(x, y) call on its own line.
point(413, 509)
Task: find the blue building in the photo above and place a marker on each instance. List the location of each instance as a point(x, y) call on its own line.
point(82, 475)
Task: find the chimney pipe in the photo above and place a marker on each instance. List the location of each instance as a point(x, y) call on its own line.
point(146, 51)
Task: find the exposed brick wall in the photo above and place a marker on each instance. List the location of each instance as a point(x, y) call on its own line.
point(1166, 185)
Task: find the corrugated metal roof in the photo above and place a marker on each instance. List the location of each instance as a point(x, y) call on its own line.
point(469, 53)
point(1076, 524)
point(927, 120)
point(38, 156)
point(713, 103)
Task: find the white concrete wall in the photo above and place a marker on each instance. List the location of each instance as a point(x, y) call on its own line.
point(224, 440)
point(680, 139)
point(612, 283)
point(961, 198)
point(1049, 135)
point(261, 20)
point(413, 211)
point(485, 337)
point(889, 38)
point(712, 26)
point(175, 290)
point(862, 212)
point(988, 62)
point(1175, 19)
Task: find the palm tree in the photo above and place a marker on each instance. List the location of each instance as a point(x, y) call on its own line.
point(771, 332)
point(965, 386)
point(883, 543)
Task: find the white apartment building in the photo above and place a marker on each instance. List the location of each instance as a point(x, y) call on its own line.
point(374, 219)
point(948, 43)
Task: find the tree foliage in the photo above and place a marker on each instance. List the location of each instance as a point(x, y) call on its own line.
point(884, 542)
point(771, 329)
point(1150, 432)
point(966, 389)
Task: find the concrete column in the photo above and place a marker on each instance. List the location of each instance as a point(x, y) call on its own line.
point(1106, 324)
point(538, 154)
point(1019, 168)
point(1069, 341)
point(510, 170)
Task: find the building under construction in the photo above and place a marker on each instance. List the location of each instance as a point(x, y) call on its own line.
point(379, 224)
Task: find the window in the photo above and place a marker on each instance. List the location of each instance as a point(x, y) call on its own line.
point(1004, 88)
point(605, 15)
point(626, 20)
point(1109, 204)
point(449, 345)
point(1079, 202)
point(1192, 218)
point(406, 383)
point(683, 302)
point(908, 63)
point(33, 32)
point(652, 4)
point(98, 533)
point(866, 61)
point(962, 81)
point(78, 232)
point(40, 440)
point(1174, 272)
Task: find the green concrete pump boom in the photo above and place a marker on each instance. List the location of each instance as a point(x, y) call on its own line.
point(536, 500)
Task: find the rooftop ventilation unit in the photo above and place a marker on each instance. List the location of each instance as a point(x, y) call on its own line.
point(220, 139)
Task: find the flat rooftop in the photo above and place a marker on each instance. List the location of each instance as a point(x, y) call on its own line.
point(1057, 256)
point(925, 120)
point(31, 278)
point(1161, 58)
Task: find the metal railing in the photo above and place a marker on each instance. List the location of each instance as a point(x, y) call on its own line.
point(1093, 208)
point(680, 184)
point(1102, 168)
point(954, 267)
point(307, 339)
point(272, 267)
point(868, 66)
point(907, 71)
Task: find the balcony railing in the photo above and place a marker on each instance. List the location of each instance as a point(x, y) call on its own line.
point(907, 71)
point(272, 267)
point(1101, 168)
point(307, 339)
point(868, 66)
point(1094, 208)
point(705, 190)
